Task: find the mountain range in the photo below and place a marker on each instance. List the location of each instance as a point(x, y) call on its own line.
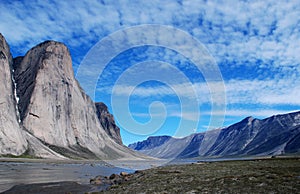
point(276, 135)
point(45, 113)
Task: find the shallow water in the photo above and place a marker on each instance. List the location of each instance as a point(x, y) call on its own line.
point(16, 173)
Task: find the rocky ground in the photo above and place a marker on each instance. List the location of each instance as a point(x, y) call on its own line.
point(256, 176)
point(277, 175)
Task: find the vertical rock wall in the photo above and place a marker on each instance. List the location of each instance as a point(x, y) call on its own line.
point(55, 109)
point(44, 111)
point(12, 140)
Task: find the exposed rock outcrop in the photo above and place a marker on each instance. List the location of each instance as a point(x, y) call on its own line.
point(108, 122)
point(54, 108)
point(113, 179)
point(12, 140)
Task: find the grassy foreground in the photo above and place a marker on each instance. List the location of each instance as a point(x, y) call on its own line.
point(255, 176)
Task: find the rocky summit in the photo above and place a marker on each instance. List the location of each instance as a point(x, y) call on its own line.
point(45, 112)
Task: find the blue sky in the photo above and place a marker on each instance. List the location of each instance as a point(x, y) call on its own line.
point(253, 44)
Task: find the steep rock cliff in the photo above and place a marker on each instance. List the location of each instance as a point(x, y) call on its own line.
point(108, 122)
point(12, 140)
point(55, 109)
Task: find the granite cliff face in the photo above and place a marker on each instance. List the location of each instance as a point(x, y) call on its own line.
point(275, 135)
point(107, 122)
point(55, 109)
point(57, 119)
point(12, 140)
point(46, 94)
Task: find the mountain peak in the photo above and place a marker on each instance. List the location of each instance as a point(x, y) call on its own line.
point(57, 118)
point(249, 118)
point(50, 42)
point(47, 64)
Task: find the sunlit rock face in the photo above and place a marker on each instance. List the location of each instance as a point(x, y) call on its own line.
point(45, 88)
point(54, 108)
point(12, 140)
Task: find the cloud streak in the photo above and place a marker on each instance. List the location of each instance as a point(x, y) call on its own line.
point(281, 92)
point(255, 113)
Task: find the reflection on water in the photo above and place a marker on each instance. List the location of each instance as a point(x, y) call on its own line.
point(13, 173)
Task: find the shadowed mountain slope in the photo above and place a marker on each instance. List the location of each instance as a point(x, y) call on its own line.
point(275, 135)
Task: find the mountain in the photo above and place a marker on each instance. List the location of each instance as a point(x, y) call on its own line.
point(275, 135)
point(150, 143)
point(53, 118)
point(14, 139)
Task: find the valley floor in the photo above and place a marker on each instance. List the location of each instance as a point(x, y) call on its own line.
point(276, 175)
point(252, 176)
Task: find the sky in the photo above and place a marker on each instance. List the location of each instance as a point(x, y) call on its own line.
point(171, 67)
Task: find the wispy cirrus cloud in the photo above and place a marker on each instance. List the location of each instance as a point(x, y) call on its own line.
point(266, 92)
point(254, 113)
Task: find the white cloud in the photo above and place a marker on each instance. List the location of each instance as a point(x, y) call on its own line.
point(255, 113)
point(267, 92)
point(263, 92)
point(191, 116)
point(223, 26)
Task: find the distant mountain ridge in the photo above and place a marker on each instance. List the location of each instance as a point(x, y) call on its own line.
point(150, 143)
point(279, 134)
point(45, 113)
